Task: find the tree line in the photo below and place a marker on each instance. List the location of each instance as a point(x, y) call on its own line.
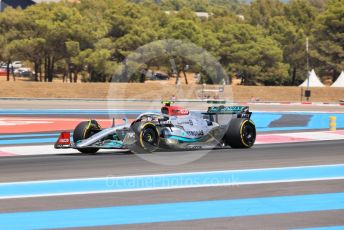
point(262, 42)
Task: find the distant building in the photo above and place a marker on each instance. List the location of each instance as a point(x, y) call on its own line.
point(198, 14)
point(40, 1)
point(202, 14)
point(241, 17)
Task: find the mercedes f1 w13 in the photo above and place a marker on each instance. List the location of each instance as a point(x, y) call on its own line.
point(175, 128)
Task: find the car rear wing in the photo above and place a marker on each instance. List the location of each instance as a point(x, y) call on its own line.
point(227, 109)
point(241, 111)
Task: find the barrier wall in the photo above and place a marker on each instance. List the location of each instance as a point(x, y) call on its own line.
point(160, 91)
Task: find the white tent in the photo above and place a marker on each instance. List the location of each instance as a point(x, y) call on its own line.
point(340, 81)
point(313, 80)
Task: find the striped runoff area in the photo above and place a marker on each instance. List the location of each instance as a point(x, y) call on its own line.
point(29, 121)
point(324, 228)
point(169, 181)
point(35, 127)
point(167, 212)
point(299, 137)
point(171, 211)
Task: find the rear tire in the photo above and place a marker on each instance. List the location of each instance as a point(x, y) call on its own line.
point(241, 133)
point(83, 131)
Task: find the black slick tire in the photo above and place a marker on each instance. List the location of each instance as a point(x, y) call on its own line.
point(241, 133)
point(83, 131)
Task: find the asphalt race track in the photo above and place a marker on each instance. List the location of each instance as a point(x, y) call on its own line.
point(121, 164)
point(271, 186)
point(106, 165)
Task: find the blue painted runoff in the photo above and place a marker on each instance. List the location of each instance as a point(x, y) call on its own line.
point(68, 111)
point(324, 228)
point(117, 184)
point(28, 141)
point(31, 138)
point(7, 136)
point(261, 119)
point(166, 212)
point(317, 121)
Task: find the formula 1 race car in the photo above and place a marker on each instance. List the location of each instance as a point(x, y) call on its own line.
point(175, 128)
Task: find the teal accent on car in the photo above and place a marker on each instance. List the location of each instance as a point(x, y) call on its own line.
point(113, 144)
point(184, 139)
point(226, 109)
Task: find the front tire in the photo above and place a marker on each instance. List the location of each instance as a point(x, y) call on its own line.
point(147, 137)
point(241, 133)
point(83, 131)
